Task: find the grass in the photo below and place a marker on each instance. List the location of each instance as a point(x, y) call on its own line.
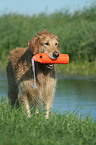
point(65, 129)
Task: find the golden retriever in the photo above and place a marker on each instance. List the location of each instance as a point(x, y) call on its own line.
point(20, 74)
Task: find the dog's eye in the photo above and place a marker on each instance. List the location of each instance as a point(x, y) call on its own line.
point(46, 43)
point(56, 43)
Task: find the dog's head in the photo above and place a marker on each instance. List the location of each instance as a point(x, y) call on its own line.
point(45, 42)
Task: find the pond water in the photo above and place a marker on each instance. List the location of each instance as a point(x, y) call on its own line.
point(71, 93)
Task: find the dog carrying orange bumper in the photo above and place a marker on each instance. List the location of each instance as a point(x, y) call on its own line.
point(44, 58)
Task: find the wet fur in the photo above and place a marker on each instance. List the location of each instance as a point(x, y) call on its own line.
point(20, 74)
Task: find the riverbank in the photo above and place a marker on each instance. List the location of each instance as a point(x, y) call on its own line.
point(61, 129)
point(77, 68)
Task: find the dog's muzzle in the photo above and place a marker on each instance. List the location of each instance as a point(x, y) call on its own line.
point(55, 55)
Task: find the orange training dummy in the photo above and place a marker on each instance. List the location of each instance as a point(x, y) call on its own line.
point(44, 58)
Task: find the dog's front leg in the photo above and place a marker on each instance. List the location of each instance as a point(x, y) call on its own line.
point(25, 102)
point(47, 107)
point(27, 107)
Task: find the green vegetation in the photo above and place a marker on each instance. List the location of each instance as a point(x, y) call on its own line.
point(77, 34)
point(60, 129)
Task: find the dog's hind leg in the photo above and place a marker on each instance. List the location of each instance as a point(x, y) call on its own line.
point(12, 95)
point(12, 86)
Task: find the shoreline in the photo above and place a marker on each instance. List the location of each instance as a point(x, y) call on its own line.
point(75, 77)
point(75, 70)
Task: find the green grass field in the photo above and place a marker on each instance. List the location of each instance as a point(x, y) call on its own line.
point(65, 129)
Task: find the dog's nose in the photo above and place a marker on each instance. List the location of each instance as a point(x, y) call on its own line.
point(55, 54)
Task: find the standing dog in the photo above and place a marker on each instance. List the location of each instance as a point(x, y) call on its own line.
point(20, 74)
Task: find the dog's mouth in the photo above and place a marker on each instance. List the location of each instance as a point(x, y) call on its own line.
point(50, 66)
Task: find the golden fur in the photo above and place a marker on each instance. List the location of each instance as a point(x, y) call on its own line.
point(20, 75)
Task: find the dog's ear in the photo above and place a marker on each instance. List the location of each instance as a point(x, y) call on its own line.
point(34, 45)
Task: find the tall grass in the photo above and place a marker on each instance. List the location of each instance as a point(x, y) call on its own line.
point(77, 32)
point(65, 129)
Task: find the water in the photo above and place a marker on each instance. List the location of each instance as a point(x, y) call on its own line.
point(3, 84)
point(70, 94)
